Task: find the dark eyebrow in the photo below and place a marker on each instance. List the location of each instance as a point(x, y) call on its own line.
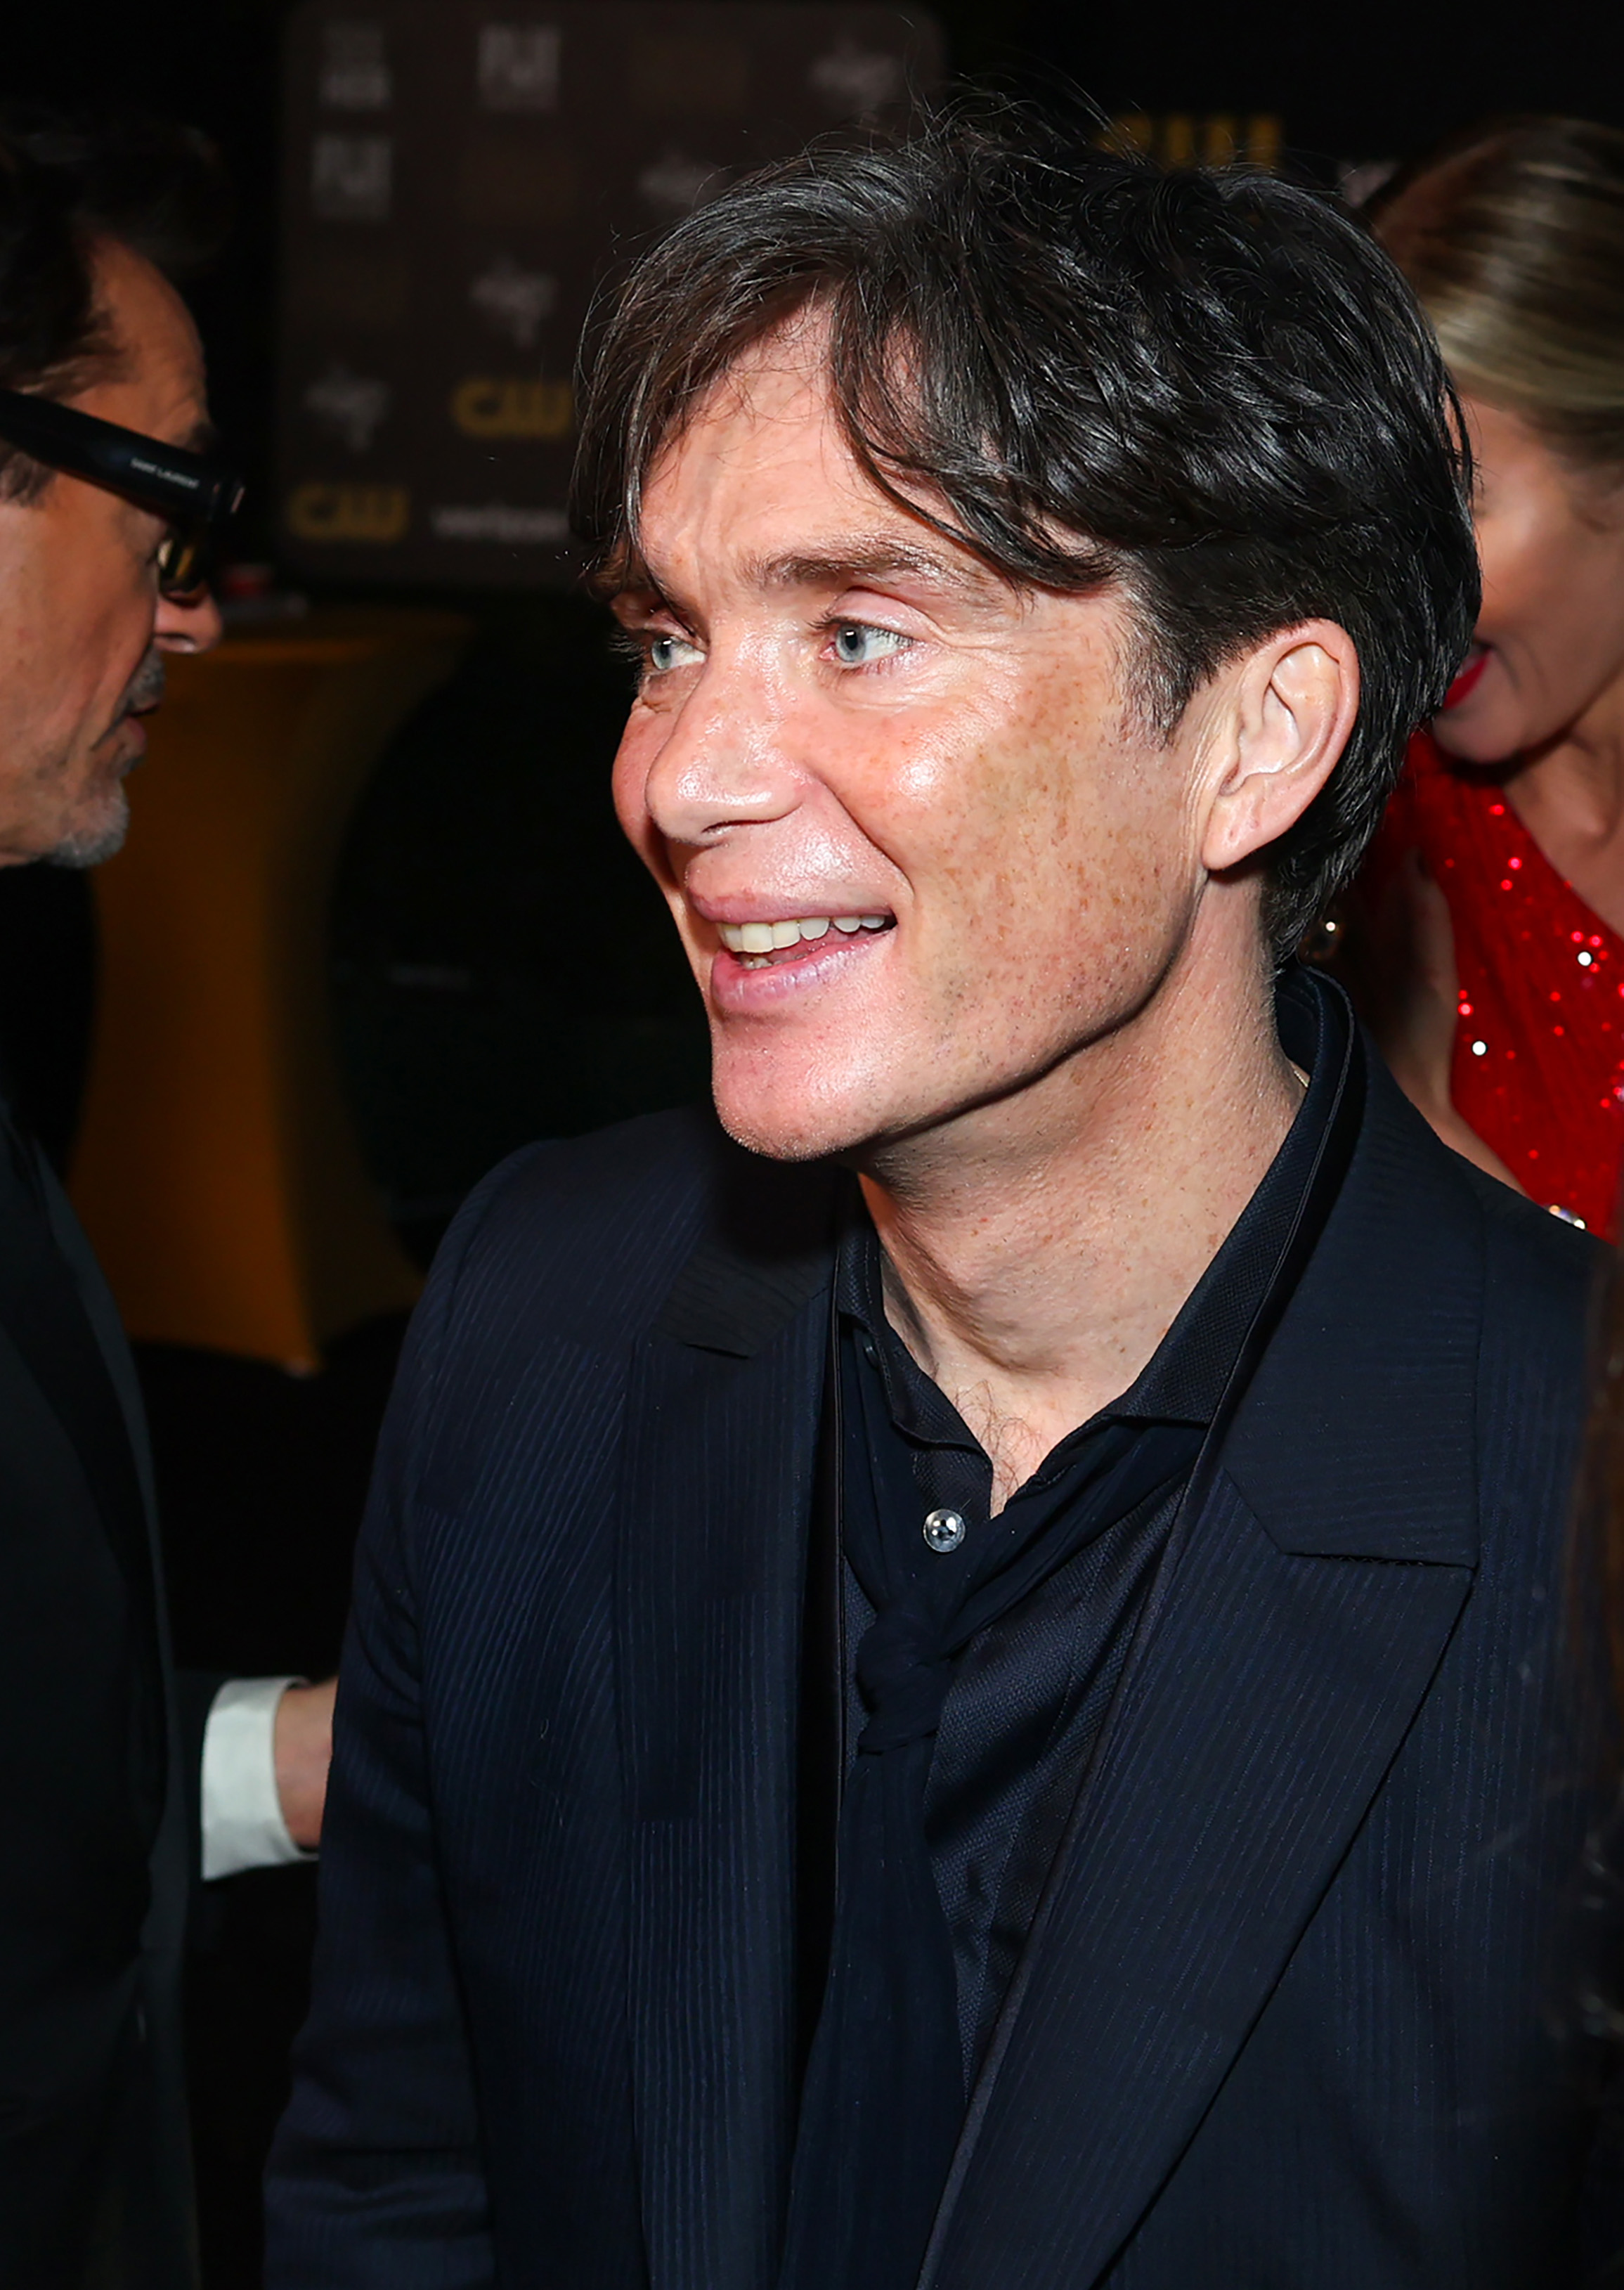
point(844, 564)
point(841, 563)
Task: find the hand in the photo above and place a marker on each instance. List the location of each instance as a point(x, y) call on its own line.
point(304, 1749)
point(1398, 963)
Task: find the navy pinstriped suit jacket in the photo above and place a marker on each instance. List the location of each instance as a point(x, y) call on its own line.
point(1288, 2026)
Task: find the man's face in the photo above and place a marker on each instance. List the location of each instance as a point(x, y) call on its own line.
point(82, 625)
point(845, 723)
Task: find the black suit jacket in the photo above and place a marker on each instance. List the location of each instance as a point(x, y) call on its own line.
point(1289, 2016)
point(93, 1849)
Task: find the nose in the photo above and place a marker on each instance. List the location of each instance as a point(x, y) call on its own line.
point(187, 623)
point(723, 762)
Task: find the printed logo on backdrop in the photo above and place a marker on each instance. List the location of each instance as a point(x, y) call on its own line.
point(514, 299)
point(352, 178)
point(1216, 139)
point(501, 521)
point(351, 407)
point(518, 67)
point(324, 513)
point(498, 406)
point(355, 69)
point(857, 82)
point(676, 184)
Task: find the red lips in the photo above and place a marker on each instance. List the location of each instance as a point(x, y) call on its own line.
point(1466, 681)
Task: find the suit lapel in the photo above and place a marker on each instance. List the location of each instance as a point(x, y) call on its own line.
point(716, 1493)
point(80, 1430)
point(1315, 1586)
point(44, 1314)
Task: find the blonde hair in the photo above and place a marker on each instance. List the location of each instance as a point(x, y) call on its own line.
point(1512, 237)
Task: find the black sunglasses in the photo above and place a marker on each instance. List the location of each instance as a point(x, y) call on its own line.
point(193, 492)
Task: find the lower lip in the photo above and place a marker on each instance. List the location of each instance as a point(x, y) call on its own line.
point(1468, 679)
point(828, 961)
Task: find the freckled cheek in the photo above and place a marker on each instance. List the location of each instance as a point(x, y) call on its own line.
point(968, 765)
point(918, 777)
point(911, 807)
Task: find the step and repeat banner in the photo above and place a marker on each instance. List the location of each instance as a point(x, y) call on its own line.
point(461, 177)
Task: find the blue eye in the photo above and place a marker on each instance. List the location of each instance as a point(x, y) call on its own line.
point(857, 646)
point(663, 653)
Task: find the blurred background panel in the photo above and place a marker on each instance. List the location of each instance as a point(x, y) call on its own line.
point(216, 1167)
point(459, 178)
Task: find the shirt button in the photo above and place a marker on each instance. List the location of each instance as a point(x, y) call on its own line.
point(944, 1530)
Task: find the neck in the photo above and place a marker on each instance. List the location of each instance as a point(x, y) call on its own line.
point(1580, 772)
point(1037, 1250)
point(1569, 794)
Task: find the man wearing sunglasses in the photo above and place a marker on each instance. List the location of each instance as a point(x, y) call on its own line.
point(100, 575)
point(107, 491)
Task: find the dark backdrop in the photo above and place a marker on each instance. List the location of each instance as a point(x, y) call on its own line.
point(1369, 80)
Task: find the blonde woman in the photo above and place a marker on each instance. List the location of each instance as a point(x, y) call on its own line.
point(1499, 878)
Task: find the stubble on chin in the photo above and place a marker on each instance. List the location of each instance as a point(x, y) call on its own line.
point(824, 1114)
point(97, 838)
point(99, 817)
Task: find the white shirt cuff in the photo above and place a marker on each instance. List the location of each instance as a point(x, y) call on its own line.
point(243, 1826)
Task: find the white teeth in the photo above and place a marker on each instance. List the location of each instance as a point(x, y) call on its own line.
point(768, 938)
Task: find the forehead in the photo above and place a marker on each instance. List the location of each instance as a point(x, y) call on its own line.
point(760, 481)
point(764, 436)
point(157, 340)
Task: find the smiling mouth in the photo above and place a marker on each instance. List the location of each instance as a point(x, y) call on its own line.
point(761, 946)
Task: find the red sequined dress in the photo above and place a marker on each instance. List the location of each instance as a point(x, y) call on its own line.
point(1539, 1061)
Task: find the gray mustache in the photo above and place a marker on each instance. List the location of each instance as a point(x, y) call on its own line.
point(145, 688)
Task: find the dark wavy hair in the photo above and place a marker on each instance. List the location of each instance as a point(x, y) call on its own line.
point(1208, 388)
point(66, 182)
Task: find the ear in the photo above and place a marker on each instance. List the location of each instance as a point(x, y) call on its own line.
point(1293, 702)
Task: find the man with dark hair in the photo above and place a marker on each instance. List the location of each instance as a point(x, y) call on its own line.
point(955, 1681)
point(106, 486)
